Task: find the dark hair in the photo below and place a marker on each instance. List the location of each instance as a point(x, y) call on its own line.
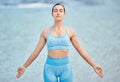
point(58, 4)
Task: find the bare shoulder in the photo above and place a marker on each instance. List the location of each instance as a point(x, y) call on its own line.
point(71, 32)
point(45, 32)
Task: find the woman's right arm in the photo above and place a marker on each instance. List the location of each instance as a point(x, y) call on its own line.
point(34, 55)
point(37, 50)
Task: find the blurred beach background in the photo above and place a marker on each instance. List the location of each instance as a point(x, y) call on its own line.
point(97, 23)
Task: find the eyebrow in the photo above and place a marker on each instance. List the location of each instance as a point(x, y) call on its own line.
point(58, 9)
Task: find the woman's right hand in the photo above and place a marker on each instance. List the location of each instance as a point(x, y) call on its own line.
point(20, 71)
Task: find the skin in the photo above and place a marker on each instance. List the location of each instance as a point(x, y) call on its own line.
point(58, 29)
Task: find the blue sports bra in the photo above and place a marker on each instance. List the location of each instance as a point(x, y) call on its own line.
point(58, 42)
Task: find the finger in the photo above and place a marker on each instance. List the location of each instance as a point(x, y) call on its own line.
point(19, 69)
point(100, 68)
point(19, 75)
point(101, 74)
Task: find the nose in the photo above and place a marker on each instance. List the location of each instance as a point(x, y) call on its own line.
point(58, 13)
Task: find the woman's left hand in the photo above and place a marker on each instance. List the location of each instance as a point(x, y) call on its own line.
point(98, 70)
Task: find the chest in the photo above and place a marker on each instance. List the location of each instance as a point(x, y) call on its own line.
point(58, 40)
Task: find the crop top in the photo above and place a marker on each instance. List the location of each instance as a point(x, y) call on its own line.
point(58, 42)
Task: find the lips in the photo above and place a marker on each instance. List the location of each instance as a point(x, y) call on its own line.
point(58, 16)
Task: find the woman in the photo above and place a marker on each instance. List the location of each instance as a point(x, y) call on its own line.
point(58, 39)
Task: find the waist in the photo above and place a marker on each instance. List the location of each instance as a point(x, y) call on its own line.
point(58, 53)
point(57, 61)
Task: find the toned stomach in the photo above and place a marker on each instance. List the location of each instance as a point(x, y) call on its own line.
point(57, 53)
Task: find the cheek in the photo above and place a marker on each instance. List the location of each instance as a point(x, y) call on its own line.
point(53, 15)
point(63, 14)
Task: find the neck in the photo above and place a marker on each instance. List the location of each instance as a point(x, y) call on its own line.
point(58, 24)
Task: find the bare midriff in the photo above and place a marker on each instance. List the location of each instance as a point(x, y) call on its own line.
point(57, 53)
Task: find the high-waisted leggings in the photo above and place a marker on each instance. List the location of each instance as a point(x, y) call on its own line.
point(58, 70)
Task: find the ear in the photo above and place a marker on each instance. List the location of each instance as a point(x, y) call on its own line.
point(52, 14)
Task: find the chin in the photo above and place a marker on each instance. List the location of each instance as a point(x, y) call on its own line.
point(58, 19)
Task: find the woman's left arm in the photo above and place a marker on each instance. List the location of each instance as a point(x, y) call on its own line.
point(81, 51)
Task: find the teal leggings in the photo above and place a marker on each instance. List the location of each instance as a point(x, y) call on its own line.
point(58, 70)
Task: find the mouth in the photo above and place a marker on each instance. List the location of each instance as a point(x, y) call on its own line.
point(58, 16)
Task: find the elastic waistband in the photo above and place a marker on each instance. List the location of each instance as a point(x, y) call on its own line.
point(57, 61)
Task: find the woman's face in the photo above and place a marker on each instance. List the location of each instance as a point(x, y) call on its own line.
point(58, 13)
